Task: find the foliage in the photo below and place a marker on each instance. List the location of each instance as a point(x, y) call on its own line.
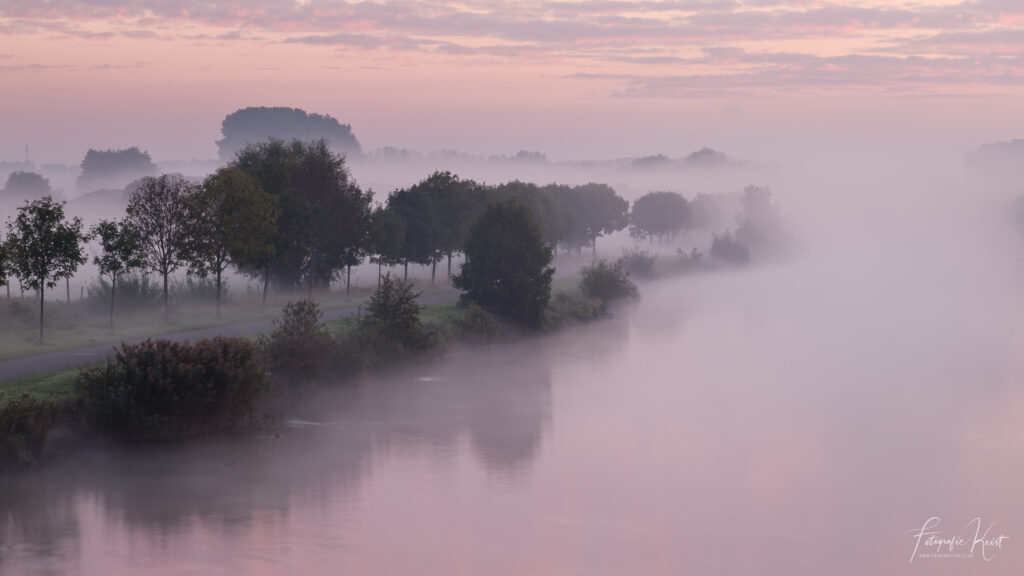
point(727, 248)
point(44, 247)
point(606, 280)
point(24, 422)
point(393, 317)
point(573, 307)
point(599, 211)
point(163, 390)
point(657, 214)
point(507, 269)
point(387, 236)
point(638, 262)
point(27, 185)
point(234, 222)
point(255, 124)
point(134, 292)
point(120, 253)
point(689, 261)
point(299, 348)
point(422, 224)
point(323, 223)
point(161, 210)
point(113, 168)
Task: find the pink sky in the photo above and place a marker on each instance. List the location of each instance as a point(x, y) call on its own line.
point(573, 79)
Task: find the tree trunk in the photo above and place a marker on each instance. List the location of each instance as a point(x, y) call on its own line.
point(218, 292)
point(405, 275)
point(165, 298)
point(266, 283)
point(67, 287)
point(113, 288)
point(433, 270)
point(593, 247)
point(449, 267)
point(378, 273)
point(348, 279)
point(42, 298)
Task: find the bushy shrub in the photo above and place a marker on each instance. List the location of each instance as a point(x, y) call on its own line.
point(476, 324)
point(393, 318)
point(638, 262)
point(565, 308)
point(727, 248)
point(606, 280)
point(162, 390)
point(300, 348)
point(24, 421)
point(193, 289)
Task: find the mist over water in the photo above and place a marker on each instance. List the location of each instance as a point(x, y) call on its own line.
point(795, 417)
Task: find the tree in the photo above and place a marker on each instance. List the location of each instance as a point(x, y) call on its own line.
point(387, 236)
point(5, 266)
point(759, 225)
point(598, 211)
point(45, 247)
point(26, 186)
point(451, 200)
point(161, 210)
point(507, 268)
point(422, 226)
point(324, 216)
point(113, 168)
point(256, 124)
point(659, 214)
point(120, 253)
point(393, 315)
point(234, 223)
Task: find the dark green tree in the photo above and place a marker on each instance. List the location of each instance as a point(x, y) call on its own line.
point(162, 210)
point(507, 268)
point(387, 237)
point(422, 226)
point(393, 315)
point(120, 252)
point(453, 201)
point(235, 222)
point(44, 247)
point(324, 216)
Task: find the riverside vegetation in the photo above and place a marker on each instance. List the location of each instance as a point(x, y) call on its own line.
point(160, 390)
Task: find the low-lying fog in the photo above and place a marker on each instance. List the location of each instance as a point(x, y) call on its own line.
point(799, 417)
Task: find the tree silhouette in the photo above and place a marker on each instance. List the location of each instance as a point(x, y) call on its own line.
point(26, 186)
point(256, 124)
point(120, 253)
point(507, 268)
point(44, 247)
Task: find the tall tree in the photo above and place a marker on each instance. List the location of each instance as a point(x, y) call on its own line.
point(45, 247)
point(234, 223)
point(598, 210)
point(657, 214)
point(161, 210)
point(256, 124)
point(323, 215)
point(422, 226)
point(387, 236)
point(507, 268)
point(453, 202)
point(113, 168)
point(120, 253)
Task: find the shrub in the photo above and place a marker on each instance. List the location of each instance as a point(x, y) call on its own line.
point(392, 322)
point(300, 348)
point(689, 261)
point(638, 262)
point(727, 248)
point(565, 308)
point(162, 390)
point(24, 421)
point(606, 281)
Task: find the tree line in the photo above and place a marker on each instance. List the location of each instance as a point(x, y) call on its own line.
point(290, 214)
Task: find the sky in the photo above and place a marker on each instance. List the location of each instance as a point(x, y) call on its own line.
point(601, 79)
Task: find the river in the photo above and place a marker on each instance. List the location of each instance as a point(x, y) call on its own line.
point(779, 420)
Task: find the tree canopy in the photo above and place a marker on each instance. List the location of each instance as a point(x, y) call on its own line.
point(657, 214)
point(113, 168)
point(256, 124)
point(44, 247)
point(507, 268)
point(26, 186)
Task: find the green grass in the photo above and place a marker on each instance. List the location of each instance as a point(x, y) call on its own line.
point(57, 386)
